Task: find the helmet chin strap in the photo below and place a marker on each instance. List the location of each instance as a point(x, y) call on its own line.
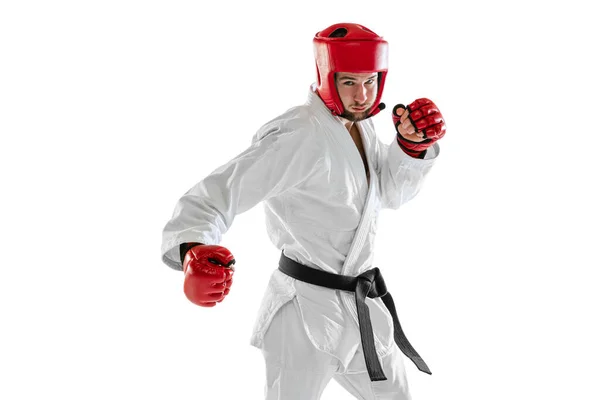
point(380, 106)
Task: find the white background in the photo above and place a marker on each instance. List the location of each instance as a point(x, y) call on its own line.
point(110, 111)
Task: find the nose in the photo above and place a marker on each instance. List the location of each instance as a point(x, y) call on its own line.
point(360, 95)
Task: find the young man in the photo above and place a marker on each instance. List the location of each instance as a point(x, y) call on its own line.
point(323, 176)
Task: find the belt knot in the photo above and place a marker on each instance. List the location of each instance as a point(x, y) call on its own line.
point(375, 279)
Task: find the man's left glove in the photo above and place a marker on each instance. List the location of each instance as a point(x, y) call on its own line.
point(418, 126)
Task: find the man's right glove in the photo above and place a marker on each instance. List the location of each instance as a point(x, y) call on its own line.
point(208, 274)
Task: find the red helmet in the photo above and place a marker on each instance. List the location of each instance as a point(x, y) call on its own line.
point(348, 47)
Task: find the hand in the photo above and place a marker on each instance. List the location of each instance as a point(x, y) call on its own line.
point(208, 274)
point(404, 125)
point(418, 126)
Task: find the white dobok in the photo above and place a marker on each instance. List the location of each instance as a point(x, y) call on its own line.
point(320, 211)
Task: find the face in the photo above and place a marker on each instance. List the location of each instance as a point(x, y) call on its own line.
point(357, 92)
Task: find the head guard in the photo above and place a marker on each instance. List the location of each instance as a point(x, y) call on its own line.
point(351, 48)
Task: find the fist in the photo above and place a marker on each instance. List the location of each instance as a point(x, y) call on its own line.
point(208, 273)
point(418, 126)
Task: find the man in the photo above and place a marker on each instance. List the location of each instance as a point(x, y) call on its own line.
point(323, 176)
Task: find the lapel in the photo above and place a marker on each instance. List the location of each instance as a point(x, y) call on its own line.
point(358, 171)
point(349, 267)
point(352, 154)
point(341, 135)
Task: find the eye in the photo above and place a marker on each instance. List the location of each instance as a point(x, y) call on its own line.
point(370, 82)
point(348, 83)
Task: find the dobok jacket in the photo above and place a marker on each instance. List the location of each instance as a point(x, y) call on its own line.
point(320, 211)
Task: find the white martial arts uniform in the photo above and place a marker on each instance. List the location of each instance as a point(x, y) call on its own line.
point(322, 213)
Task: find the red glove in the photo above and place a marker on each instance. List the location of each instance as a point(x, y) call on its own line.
point(425, 126)
point(208, 274)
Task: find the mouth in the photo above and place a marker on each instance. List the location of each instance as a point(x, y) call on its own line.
point(360, 109)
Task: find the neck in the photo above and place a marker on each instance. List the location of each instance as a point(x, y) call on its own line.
point(347, 123)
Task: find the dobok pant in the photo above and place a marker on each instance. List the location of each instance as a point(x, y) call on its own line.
point(297, 370)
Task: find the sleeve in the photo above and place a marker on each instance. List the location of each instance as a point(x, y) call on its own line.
point(400, 175)
point(278, 159)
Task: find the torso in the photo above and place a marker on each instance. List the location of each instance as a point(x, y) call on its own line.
point(359, 145)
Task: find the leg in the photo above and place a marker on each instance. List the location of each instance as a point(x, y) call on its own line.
point(357, 382)
point(296, 370)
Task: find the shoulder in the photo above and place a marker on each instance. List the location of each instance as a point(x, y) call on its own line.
point(296, 125)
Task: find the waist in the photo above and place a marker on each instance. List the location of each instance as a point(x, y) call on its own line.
point(371, 278)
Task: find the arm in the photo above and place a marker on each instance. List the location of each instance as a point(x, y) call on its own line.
point(280, 157)
point(400, 175)
point(405, 163)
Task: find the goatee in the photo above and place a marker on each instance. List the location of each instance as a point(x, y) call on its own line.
point(350, 116)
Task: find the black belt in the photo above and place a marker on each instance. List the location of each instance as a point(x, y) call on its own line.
point(369, 284)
